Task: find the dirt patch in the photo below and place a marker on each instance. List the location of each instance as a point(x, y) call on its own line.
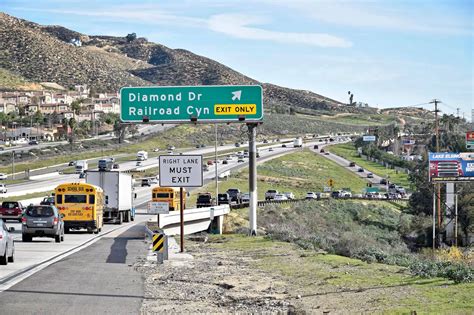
point(215, 281)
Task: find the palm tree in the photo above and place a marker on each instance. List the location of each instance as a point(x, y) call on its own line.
point(76, 106)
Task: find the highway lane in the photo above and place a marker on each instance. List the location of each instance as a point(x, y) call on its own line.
point(375, 181)
point(99, 279)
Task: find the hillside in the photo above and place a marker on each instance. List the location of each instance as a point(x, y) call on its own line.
point(36, 53)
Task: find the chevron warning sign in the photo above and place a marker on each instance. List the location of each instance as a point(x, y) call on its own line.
point(158, 242)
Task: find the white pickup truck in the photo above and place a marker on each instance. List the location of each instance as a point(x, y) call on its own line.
point(270, 194)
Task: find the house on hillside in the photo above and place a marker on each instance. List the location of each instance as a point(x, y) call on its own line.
point(31, 109)
point(8, 108)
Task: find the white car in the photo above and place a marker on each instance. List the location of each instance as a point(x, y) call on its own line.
point(246, 197)
point(3, 188)
point(280, 197)
point(311, 195)
point(345, 194)
point(7, 246)
point(289, 195)
point(3, 176)
point(156, 149)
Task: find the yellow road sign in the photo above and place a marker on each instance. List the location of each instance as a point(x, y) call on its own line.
point(158, 242)
point(330, 182)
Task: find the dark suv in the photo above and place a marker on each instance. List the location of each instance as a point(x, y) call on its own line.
point(223, 199)
point(42, 221)
point(235, 195)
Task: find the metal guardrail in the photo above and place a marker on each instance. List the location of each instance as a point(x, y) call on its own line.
point(262, 203)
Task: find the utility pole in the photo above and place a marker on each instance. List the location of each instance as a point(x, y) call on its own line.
point(13, 164)
point(438, 186)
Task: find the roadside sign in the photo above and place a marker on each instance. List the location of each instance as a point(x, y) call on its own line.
point(158, 242)
point(158, 207)
point(368, 138)
point(181, 170)
point(470, 140)
point(326, 189)
point(185, 104)
point(372, 190)
point(330, 182)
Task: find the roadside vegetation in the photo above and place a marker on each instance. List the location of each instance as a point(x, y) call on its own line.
point(320, 281)
point(372, 233)
point(349, 152)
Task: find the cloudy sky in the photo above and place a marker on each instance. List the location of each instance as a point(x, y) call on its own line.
point(388, 53)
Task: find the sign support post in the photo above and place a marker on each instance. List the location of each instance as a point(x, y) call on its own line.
point(252, 131)
point(181, 215)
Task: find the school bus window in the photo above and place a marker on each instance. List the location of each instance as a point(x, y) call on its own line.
point(75, 198)
point(171, 195)
point(163, 195)
point(59, 199)
point(91, 199)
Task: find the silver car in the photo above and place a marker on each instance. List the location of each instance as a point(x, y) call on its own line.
point(42, 221)
point(7, 246)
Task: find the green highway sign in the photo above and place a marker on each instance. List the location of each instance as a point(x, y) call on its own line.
point(180, 104)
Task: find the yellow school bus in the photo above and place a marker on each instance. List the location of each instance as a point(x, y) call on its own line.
point(169, 195)
point(82, 206)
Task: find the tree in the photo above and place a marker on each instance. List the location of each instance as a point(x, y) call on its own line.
point(72, 124)
point(131, 37)
point(38, 117)
point(76, 106)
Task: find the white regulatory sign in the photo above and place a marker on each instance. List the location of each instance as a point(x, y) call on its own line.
point(181, 170)
point(158, 207)
point(368, 138)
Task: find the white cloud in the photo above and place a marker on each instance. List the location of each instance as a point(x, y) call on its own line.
point(238, 26)
point(418, 16)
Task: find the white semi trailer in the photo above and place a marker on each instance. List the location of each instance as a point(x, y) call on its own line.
point(118, 194)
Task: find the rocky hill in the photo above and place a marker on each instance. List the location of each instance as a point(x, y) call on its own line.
point(39, 53)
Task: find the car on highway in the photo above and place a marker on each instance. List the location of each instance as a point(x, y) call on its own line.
point(335, 194)
point(235, 195)
point(345, 194)
point(370, 175)
point(270, 150)
point(280, 197)
point(210, 162)
point(225, 162)
point(321, 151)
point(33, 142)
point(360, 170)
point(246, 197)
point(3, 188)
point(283, 145)
point(82, 175)
point(146, 182)
point(171, 147)
point(257, 155)
point(270, 194)
point(352, 164)
point(115, 166)
point(265, 141)
point(42, 221)
point(316, 146)
point(139, 163)
point(72, 163)
point(240, 160)
point(326, 153)
point(3, 176)
point(156, 149)
point(383, 181)
point(223, 199)
point(7, 246)
point(237, 144)
point(47, 201)
point(289, 195)
point(11, 210)
point(311, 195)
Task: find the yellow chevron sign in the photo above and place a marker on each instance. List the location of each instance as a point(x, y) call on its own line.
point(158, 242)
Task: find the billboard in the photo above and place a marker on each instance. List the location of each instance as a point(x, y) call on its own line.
point(408, 141)
point(451, 167)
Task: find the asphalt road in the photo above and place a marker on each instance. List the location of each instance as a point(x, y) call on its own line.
point(99, 279)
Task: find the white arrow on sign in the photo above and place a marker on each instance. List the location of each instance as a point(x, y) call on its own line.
point(236, 95)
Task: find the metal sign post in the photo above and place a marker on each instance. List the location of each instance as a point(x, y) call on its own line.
point(181, 171)
point(253, 178)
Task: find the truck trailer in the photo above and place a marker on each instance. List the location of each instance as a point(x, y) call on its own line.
point(118, 194)
point(81, 166)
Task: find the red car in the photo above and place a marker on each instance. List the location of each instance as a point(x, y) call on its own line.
point(11, 210)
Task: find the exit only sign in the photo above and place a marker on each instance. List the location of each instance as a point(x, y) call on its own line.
point(184, 104)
